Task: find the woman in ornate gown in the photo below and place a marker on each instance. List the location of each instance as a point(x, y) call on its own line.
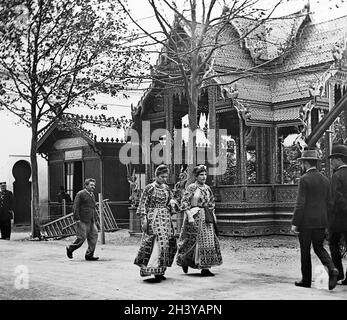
point(198, 244)
point(157, 247)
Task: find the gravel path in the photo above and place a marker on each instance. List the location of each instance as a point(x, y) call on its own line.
point(253, 268)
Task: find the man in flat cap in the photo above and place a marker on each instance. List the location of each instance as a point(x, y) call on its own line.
point(6, 211)
point(338, 216)
point(310, 218)
point(84, 212)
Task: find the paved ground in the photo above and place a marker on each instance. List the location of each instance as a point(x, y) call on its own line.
point(254, 268)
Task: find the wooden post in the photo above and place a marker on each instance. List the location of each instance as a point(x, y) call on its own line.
point(32, 215)
point(101, 211)
point(64, 207)
point(212, 119)
point(243, 154)
point(281, 166)
point(274, 150)
point(328, 133)
point(168, 107)
point(218, 177)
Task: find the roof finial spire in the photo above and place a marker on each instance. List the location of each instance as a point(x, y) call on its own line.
point(308, 6)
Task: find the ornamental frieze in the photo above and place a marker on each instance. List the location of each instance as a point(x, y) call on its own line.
point(231, 195)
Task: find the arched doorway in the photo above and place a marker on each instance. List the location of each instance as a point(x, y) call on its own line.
point(22, 192)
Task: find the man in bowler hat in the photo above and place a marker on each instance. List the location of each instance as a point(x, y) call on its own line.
point(6, 211)
point(84, 211)
point(338, 216)
point(310, 218)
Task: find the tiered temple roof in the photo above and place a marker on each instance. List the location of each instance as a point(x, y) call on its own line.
point(287, 78)
point(273, 37)
point(287, 56)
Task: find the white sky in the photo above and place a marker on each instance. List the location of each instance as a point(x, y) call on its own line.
point(18, 137)
point(322, 10)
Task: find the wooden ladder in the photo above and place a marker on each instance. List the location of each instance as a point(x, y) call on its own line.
point(66, 226)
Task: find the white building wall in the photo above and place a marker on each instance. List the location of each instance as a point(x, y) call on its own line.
point(14, 146)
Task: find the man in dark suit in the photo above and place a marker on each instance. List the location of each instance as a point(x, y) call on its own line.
point(338, 216)
point(310, 218)
point(6, 211)
point(84, 213)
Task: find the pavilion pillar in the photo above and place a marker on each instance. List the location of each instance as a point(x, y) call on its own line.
point(280, 161)
point(238, 160)
point(274, 155)
point(178, 160)
point(259, 155)
point(218, 177)
point(265, 155)
point(146, 152)
point(328, 134)
point(243, 154)
point(212, 122)
point(168, 107)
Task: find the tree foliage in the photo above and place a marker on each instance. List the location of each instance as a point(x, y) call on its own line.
point(291, 166)
point(56, 54)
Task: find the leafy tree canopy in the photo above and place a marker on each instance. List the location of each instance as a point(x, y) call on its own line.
point(55, 54)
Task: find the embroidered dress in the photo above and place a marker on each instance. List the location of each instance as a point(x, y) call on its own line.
point(198, 244)
point(155, 253)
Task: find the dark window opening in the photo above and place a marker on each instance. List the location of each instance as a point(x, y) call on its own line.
point(73, 178)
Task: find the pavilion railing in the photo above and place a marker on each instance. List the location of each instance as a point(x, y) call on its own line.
point(266, 193)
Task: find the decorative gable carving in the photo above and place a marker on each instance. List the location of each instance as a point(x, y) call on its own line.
point(269, 40)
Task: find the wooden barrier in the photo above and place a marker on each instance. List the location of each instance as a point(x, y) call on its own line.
point(66, 226)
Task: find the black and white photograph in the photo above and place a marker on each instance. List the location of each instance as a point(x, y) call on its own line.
point(173, 155)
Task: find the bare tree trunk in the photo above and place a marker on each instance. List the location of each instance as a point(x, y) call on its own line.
point(35, 206)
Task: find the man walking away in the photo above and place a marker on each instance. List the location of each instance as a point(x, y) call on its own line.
point(6, 211)
point(338, 217)
point(84, 214)
point(310, 218)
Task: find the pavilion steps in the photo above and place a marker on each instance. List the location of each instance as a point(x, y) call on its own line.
point(254, 223)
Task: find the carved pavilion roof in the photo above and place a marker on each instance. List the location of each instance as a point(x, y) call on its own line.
point(315, 44)
point(257, 114)
point(290, 78)
point(281, 78)
point(270, 39)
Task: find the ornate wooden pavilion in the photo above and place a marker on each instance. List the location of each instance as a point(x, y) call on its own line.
point(299, 88)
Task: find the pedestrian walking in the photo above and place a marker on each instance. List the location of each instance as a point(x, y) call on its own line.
point(84, 211)
point(6, 211)
point(338, 217)
point(310, 218)
point(198, 244)
point(158, 244)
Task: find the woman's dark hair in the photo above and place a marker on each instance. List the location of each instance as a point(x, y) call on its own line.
point(161, 169)
point(198, 169)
